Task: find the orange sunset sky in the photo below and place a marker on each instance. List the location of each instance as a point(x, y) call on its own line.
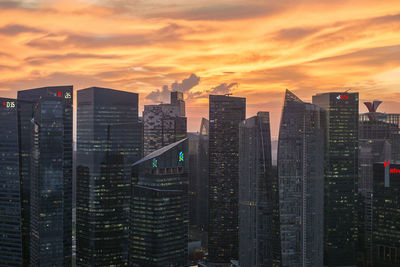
point(250, 48)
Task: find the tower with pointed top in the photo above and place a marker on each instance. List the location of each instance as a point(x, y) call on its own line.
point(301, 181)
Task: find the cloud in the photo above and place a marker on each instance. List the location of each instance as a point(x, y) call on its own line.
point(15, 29)
point(186, 84)
point(293, 34)
point(167, 34)
point(9, 4)
point(159, 95)
point(49, 58)
point(221, 12)
point(223, 88)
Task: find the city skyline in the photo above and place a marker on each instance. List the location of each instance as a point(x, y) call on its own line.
point(251, 49)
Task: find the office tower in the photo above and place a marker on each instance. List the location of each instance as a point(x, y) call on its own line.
point(193, 182)
point(108, 142)
point(276, 224)
point(341, 177)
point(225, 115)
point(164, 124)
point(378, 140)
point(177, 100)
point(301, 182)
point(386, 214)
point(159, 208)
point(10, 189)
point(198, 177)
point(202, 175)
point(255, 192)
point(45, 116)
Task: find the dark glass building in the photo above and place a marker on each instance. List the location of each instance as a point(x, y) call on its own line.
point(225, 115)
point(379, 141)
point(301, 182)
point(198, 177)
point(386, 215)
point(164, 124)
point(10, 186)
point(341, 177)
point(108, 142)
point(193, 182)
point(46, 173)
point(202, 175)
point(159, 208)
point(255, 192)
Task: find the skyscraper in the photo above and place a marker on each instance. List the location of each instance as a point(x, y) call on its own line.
point(255, 192)
point(386, 214)
point(108, 142)
point(10, 187)
point(46, 172)
point(225, 115)
point(341, 177)
point(159, 208)
point(177, 100)
point(164, 124)
point(378, 140)
point(202, 175)
point(301, 182)
point(193, 190)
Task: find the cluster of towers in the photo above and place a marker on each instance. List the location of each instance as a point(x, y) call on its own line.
point(136, 185)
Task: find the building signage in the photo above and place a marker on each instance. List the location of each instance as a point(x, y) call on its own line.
point(342, 97)
point(9, 104)
point(155, 163)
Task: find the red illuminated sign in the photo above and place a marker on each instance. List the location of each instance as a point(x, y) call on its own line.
point(59, 94)
point(342, 97)
point(394, 170)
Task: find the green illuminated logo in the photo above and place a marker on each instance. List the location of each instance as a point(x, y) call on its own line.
point(155, 163)
point(181, 156)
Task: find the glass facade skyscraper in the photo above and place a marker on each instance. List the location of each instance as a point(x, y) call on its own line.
point(46, 173)
point(225, 115)
point(301, 182)
point(108, 142)
point(202, 175)
point(256, 196)
point(386, 215)
point(341, 177)
point(379, 142)
point(159, 208)
point(10, 186)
